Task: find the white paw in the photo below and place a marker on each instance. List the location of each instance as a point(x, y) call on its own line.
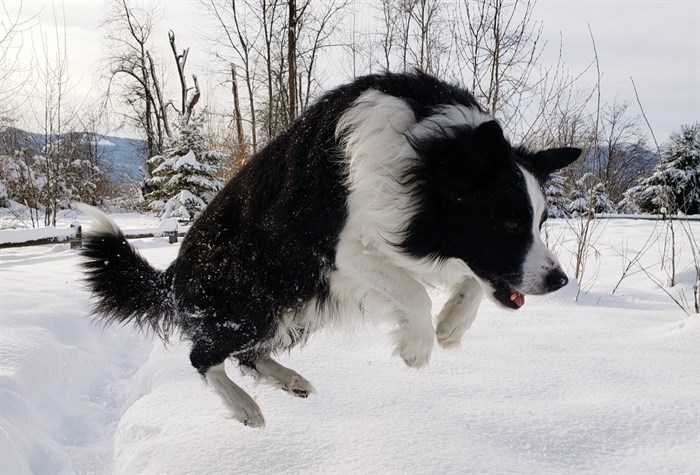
point(448, 336)
point(458, 314)
point(299, 387)
point(271, 372)
point(415, 348)
point(246, 410)
point(242, 406)
point(291, 382)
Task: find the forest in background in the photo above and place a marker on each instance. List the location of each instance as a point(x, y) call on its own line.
point(271, 58)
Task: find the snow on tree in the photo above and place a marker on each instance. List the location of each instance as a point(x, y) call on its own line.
point(22, 180)
point(600, 201)
point(589, 196)
point(48, 181)
point(4, 200)
point(675, 184)
point(184, 177)
point(557, 201)
point(578, 203)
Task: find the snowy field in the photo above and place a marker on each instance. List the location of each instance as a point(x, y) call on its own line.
point(606, 384)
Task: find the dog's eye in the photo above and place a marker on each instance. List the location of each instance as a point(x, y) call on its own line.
point(513, 226)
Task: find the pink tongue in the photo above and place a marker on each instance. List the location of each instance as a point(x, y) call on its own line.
point(517, 298)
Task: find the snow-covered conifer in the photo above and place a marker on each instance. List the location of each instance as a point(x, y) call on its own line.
point(579, 196)
point(600, 201)
point(4, 200)
point(675, 184)
point(555, 191)
point(589, 196)
point(184, 177)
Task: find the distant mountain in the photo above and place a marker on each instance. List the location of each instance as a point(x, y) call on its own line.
point(121, 158)
point(124, 156)
point(642, 159)
point(619, 167)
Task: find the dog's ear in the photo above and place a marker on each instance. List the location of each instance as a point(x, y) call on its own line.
point(546, 162)
point(487, 149)
point(478, 155)
point(461, 157)
point(489, 142)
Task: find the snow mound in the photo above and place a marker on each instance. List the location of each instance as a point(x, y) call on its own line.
point(606, 384)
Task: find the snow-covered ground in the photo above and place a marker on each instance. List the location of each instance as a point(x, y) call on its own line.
point(605, 384)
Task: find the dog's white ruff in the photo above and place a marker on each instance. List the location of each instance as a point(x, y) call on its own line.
point(370, 268)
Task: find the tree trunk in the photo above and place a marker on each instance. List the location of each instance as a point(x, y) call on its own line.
point(238, 117)
point(159, 96)
point(291, 58)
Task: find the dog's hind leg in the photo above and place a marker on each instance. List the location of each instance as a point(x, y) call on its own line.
point(241, 405)
point(459, 313)
point(270, 371)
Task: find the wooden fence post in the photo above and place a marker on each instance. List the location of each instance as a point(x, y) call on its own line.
point(77, 241)
point(172, 236)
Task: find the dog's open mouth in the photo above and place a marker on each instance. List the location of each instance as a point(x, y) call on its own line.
point(508, 296)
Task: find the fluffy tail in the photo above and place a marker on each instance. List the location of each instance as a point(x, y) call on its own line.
point(126, 287)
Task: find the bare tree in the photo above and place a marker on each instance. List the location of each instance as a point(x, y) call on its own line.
point(428, 21)
point(315, 32)
point(411, 32)
point(62, 163)
point(623, 156)
point(132, 73)
point(292, 55)
point(403, 16)
point(271, 48)
point(270, 17)
point(15, 77)
point(52, 116)
point(387, 33)
point(160, 108)
point(236, 46)
point(361, 42)
point(187, 101)
point(499, 42)
point(237, 115)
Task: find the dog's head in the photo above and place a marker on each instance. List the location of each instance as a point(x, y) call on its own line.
point(481, 200)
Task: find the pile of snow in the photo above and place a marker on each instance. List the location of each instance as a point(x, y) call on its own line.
point(610, 383)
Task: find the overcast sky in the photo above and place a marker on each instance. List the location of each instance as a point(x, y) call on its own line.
point(655, 42)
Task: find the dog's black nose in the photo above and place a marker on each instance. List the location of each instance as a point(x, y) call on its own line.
point(555, 280)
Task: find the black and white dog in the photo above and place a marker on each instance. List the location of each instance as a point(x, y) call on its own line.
point(384, 187)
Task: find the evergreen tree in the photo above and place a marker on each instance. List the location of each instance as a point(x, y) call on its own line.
point(555, 191)
point(589, 196)
point(184, 177)
point(600, 201)
point(578, 198)
point(4, 200)
point(675, 184)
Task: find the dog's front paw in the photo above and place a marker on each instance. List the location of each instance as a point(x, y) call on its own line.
point(415, 348)
point(448, 336)
point(458, 314)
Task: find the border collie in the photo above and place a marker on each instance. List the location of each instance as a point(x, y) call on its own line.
point(384, 187)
